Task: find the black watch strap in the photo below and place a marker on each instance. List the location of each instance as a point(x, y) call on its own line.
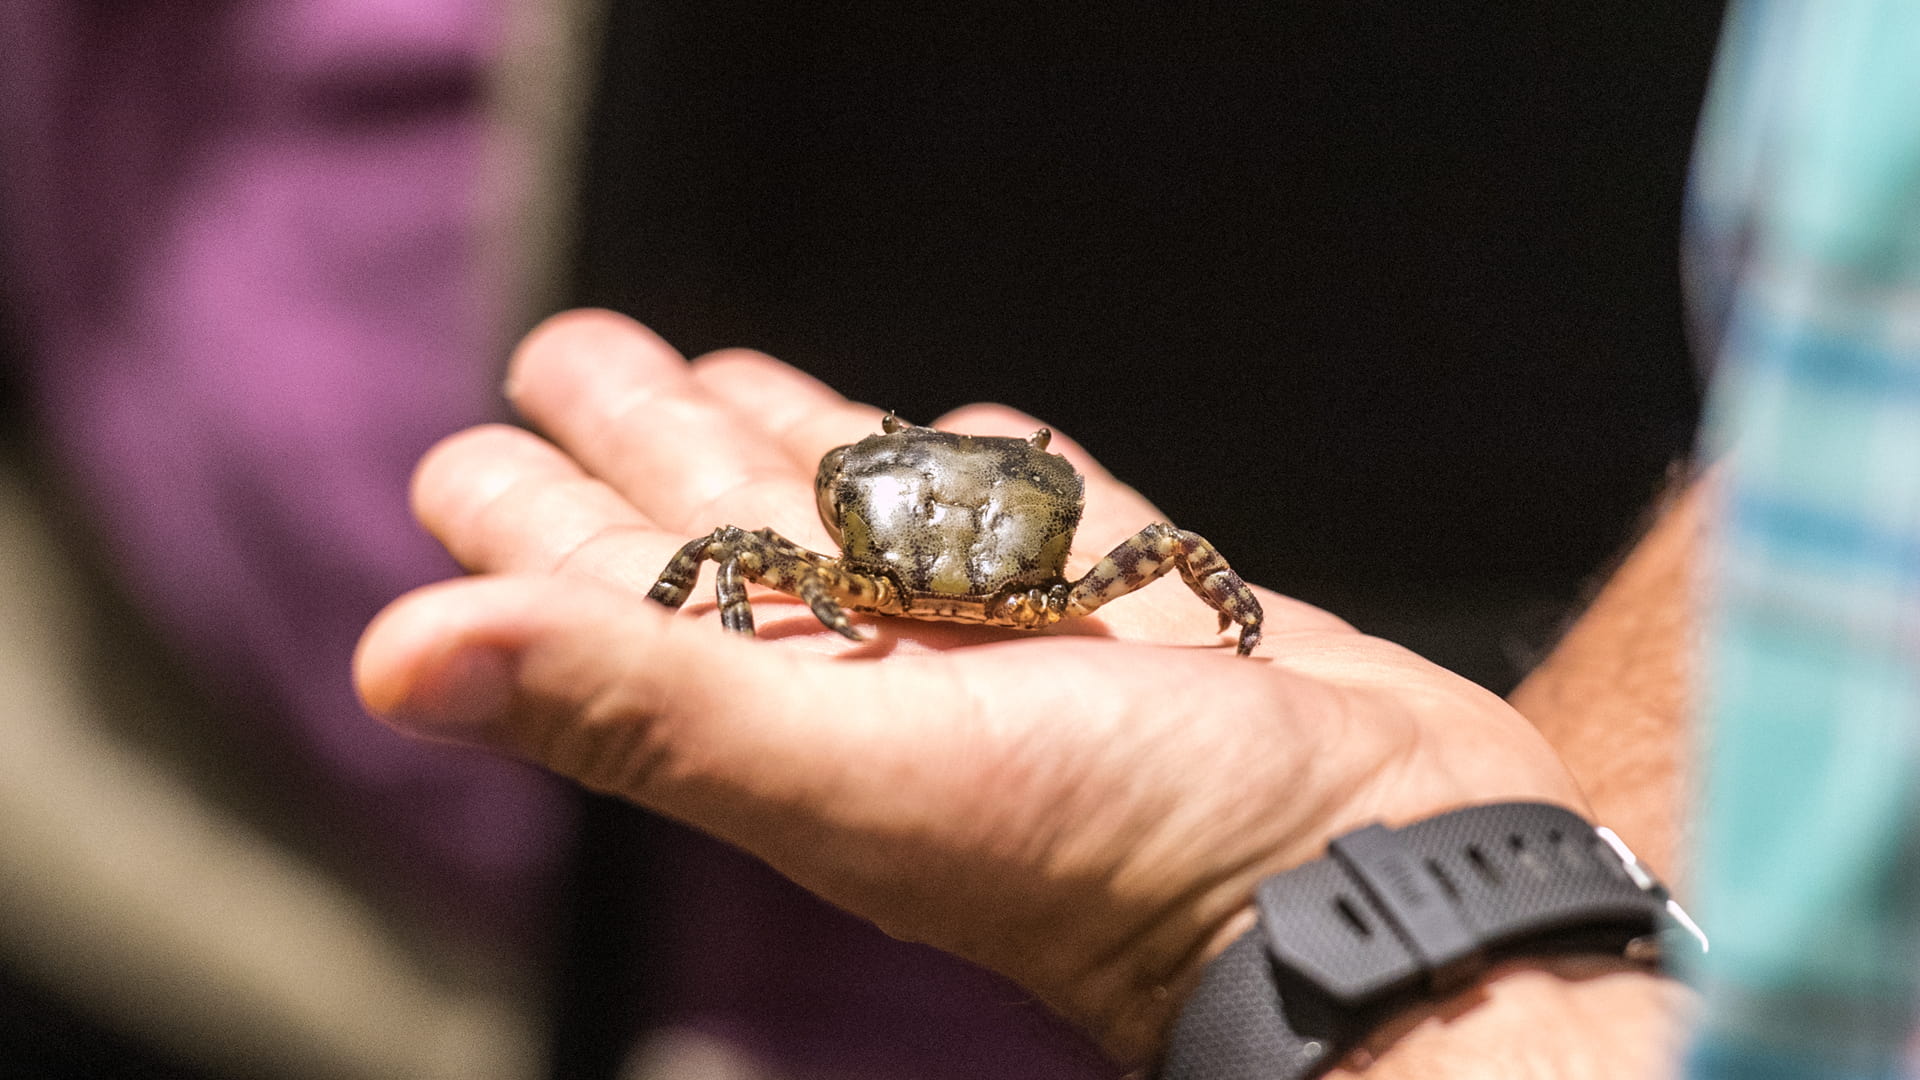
point(1394, 915)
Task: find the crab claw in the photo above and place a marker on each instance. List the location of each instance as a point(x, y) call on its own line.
point(1249, 637)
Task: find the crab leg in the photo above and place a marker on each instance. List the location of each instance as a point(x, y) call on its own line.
point(1157, 549)
point(730, 589)
point(769, 559)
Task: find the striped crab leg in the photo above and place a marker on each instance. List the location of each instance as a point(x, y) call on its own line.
point(767, 558)
point(1157, 549)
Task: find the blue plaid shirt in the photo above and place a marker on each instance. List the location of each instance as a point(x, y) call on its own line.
point(1804, 251)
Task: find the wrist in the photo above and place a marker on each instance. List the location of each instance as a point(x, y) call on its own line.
point(1585, 1016)
point(1551, 1017)
point(1134, 999)
point(1527, 905)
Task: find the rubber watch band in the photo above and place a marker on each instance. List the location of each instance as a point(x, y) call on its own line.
point(1392, 916)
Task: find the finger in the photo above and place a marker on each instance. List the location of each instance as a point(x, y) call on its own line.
point(501, 499)
point(623, 403)
point(729, 735)
point(504, 500)
point(804, 416)
point(1114, 510)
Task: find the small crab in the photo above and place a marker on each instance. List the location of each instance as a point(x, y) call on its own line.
point(964, 528)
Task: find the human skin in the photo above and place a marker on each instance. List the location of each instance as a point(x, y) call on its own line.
point(1613, 697)
point(1086, 810)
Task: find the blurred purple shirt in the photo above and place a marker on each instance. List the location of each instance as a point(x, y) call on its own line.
point(241, 242)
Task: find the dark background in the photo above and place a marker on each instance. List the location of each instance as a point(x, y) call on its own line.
point(1384, 302)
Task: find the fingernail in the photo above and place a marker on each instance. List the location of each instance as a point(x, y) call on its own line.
point(462, 697)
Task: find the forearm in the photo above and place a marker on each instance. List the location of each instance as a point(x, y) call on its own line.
point(1614, 696)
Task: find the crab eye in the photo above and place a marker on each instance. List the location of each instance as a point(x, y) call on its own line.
point(891, 423)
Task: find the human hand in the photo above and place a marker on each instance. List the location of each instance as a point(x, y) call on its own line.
point(1085, 810)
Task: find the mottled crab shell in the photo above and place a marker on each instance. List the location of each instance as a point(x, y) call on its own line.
point(952, 515)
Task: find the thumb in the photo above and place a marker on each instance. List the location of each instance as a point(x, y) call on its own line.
point(741, 739)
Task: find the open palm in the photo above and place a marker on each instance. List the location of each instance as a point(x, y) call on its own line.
point(1086, 810)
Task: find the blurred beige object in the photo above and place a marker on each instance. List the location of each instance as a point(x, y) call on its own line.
point(676, 1054)
point(540, 96)
point(133, 897)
